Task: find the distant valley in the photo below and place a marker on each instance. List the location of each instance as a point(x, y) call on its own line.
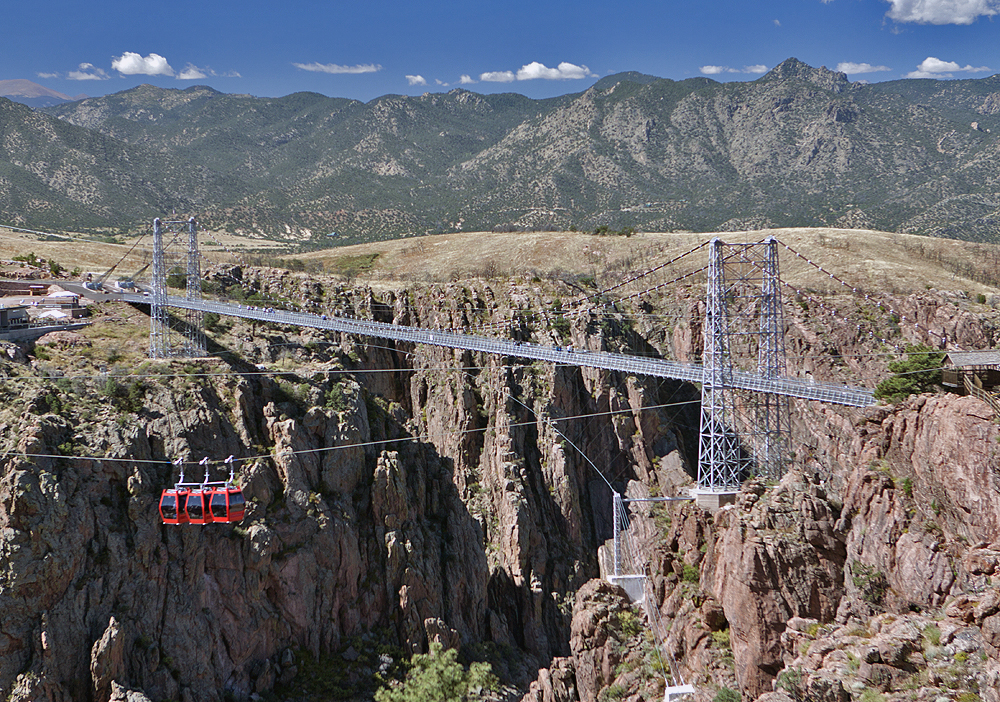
point(801, 146)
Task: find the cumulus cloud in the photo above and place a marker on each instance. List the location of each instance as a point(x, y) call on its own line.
point(497, 77)
point(852, 68)
point(416, 80)
point(132, 64)
point(87, 71)
point(334, 68)
point(534, 71)
point(942, 11)
point(716, 70)
point(466, 80)
point(191, 72)
point(564, 71)
point(932, 67)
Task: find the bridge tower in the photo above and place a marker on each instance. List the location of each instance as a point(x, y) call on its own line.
point(743, 433)
point(194, 335)
point(159, 320)
point(160, 344)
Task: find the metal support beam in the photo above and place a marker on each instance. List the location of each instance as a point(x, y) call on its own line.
point(159, 321)
point(742, 433)
point(194, 333)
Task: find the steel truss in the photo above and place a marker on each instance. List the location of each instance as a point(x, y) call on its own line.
point(742, 433)
point(193, 331)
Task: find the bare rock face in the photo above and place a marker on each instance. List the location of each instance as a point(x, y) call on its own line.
point(557, 683)
point(595, 614)
point(106, 660)
point(474, 534)
point(775, 558)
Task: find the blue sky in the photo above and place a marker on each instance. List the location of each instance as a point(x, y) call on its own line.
point(538, 48)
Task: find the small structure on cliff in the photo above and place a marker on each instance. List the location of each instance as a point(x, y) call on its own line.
point(980, 368)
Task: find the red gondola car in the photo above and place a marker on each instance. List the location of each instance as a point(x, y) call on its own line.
point(224, 502)
point(203, 503)
point(173, 505)
point(196, 512)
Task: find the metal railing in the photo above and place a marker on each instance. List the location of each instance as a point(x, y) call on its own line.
point(988, 397)
point(656, 367)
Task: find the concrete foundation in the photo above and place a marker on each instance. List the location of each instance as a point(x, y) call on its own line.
point(712, 500)
point(634, 585)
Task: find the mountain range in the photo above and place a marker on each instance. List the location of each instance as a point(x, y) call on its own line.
point(32, 94)
point(800, 146)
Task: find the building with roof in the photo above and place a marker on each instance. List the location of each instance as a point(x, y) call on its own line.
point(980, 368)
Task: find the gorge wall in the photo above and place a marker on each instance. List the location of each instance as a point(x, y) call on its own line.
point(408, 494)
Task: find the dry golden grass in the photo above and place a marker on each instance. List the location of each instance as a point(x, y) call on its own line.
point(868, 260)
point(97, 257)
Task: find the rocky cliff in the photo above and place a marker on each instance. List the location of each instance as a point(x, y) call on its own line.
point(405, 494)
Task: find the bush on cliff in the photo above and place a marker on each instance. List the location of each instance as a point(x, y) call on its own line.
point(919, 372)
point(437, 676)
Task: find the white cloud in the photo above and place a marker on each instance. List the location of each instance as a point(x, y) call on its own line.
point(932, 67)
point(564, 71)
point(47, 75)
point(466, 80)
point(942, 11)
point(852, 68)
point(416, 80)
point(334, 68)
point(534, 71)
point(715, 70)
point(777, 23)
point(87, 71)
point(132, 64)
point(192, 72)
point(497, 77)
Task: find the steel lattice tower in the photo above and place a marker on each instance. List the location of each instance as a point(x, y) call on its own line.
point(743, 433)
point(159, 322)
point(160, 345)
point(194, 334)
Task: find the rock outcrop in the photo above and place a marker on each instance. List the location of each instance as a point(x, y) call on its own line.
point(406, 495)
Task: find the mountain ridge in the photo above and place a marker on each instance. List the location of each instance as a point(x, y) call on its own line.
point(799, 146)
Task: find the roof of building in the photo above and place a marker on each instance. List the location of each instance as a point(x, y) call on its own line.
point(973, 358)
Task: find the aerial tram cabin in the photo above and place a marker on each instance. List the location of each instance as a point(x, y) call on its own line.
point(207, 502)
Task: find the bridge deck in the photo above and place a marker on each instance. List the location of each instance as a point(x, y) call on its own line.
point(835, 394)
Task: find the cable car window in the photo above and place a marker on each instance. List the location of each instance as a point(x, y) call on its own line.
point(195, 508)
point(168, 506)
point(219, 505)
point(236, 500)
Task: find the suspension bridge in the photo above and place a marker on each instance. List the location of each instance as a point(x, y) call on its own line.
point(743, 315)
point(744, 412)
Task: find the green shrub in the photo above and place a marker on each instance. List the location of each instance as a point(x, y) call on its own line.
point(629, 624)
point(871, 695)
point(437, 676)
point(721, 639)
point(336, 399)
point(870, 582)
point(727, 694)
point(919, 372)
